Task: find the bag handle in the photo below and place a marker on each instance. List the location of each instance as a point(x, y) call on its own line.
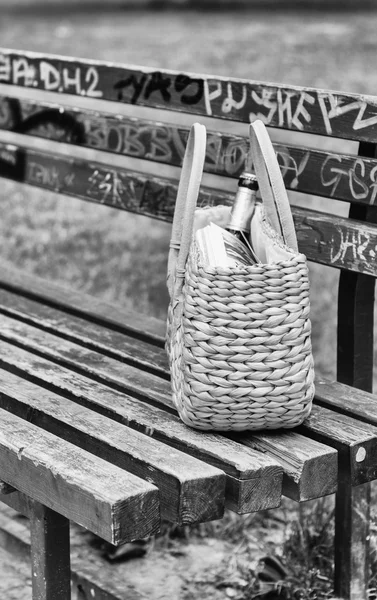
point(187, 196)
point(271, 184)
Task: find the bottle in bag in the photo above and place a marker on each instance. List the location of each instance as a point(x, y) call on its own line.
point(243, 209)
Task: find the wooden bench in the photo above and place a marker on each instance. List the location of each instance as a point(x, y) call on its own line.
point(87, 429)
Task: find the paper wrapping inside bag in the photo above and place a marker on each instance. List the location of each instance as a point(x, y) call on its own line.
point(266, 242)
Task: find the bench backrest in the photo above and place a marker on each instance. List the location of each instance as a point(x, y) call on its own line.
point(137, 119)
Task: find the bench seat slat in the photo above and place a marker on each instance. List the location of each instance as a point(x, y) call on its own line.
point(245, 467)
point(347, 400)
point(315, 458)
point(337, 176)
point(99, 496)
point(183, 481)
point(111, 343)
point(78, 303)
point(356, 442)
point(289, 107)
point(313, 466)
point(152, 388)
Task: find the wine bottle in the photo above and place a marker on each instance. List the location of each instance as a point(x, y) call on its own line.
point(243, 209)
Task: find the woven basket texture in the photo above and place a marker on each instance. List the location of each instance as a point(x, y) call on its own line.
point(239, 346)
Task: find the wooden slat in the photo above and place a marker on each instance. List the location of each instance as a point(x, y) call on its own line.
point(324, 238)
point(338, 242)
point(324, 426)
point(88, 307)
point(88, 490)
point(254, 480)
point(313, 467)
point(347, 400)
point(108, 185)
point(356, 442)
point(311, 110)
point(190, 490)
point(112, 343)
point(338, 176)
point(293, 458)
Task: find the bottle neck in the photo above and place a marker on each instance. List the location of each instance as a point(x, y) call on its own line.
point(242, 210)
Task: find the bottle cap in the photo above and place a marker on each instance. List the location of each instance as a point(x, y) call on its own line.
point(248, 180)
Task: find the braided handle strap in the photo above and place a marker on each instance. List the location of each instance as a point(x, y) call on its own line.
point(187, 196)
point(271, 184)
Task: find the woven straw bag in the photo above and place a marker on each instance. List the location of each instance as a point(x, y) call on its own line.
point(238, 340)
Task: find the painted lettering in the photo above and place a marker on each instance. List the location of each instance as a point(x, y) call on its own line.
point(267, 100)
point(23, 72)
point(92, 79)
point(50, 76)
point(72, 81)
point(230, 104)
point(184, 83)
point(5, 68)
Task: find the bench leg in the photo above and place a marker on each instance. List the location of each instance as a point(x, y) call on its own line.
point(50, 554)
point(352, 530)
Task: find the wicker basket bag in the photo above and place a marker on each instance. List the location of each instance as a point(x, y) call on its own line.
point(238, 340)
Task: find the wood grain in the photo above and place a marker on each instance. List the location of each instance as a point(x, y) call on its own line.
point(310, 468)
point(347, 400)
point(88, 490)
point(356, 442)
point(111, 343)
point(324, 238)
point(143, 327)
point(239, 463)
point(111, 372)
point(290, 107)
point(50, 558)
point(190, 490)
point(333, 175)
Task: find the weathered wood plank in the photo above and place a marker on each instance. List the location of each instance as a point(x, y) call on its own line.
point(87, 307)
point(324, 238)
point(109, 185)
point(338, 176)
point(301, 109)
point(310, 468)
point(315, 456)
point(322, 425)
point(347, 400)
point(338, 242)
point(88, 490)
point(50, 554)
point(356, 442)
point(190, 490)
point(242, 498)
point(88, 334)
point(245, 467)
